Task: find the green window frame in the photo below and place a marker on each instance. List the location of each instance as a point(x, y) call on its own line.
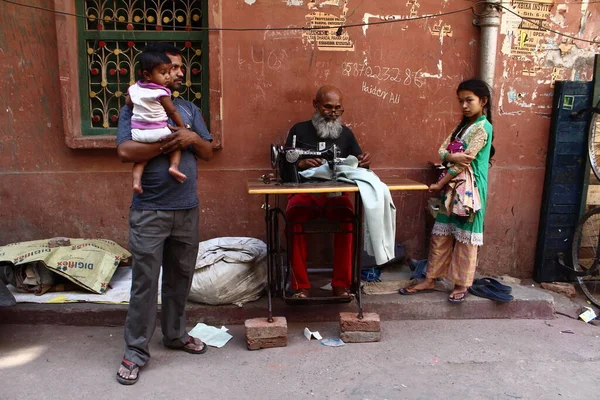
point(113, 35)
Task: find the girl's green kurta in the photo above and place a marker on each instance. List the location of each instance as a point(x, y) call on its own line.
point(478, 143)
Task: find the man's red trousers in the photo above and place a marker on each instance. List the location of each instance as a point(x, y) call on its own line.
point(303, 207)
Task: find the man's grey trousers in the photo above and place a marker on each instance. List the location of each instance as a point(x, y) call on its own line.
point(170, 239)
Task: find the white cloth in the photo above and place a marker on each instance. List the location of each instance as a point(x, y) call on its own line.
point(149, 135)
point(146, 106)
point(380, 211)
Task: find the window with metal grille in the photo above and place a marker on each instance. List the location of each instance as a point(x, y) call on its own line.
point(110, 40)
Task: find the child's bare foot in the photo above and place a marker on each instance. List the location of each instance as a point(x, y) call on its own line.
point(137, 188)
point(177, 174)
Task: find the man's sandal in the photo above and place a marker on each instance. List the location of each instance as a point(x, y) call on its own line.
point(191, 340)
point(131, 367)
point(340, 291)
point(300, 294)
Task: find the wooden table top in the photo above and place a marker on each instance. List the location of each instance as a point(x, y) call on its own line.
point(259, 187)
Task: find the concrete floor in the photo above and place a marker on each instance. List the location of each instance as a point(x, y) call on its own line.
point(434, 359)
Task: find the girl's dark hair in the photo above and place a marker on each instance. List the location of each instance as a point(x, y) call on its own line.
point(150, 59)
point(481, 90)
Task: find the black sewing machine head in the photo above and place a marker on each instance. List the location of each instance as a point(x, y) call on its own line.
point(285, 160)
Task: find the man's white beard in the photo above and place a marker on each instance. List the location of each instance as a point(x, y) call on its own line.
point(327, 129)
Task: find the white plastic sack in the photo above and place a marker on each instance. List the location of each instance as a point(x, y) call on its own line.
point(229, 270)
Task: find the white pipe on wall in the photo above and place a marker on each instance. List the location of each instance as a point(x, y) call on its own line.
point(489, 21)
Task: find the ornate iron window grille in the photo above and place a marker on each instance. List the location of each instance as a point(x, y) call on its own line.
point(112, 37)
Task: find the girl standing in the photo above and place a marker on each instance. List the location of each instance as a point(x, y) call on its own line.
point(455, 239)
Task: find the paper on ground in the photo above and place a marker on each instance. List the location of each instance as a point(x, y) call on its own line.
point(211, 335)
point(326, 287)
point(588, 314)
point(308, 334)
point(333, 342)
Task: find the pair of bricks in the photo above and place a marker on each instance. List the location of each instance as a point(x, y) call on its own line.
point(354, 330)
point(261, 334)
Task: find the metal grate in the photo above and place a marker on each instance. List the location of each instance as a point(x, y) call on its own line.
point(111, 39)
point(143, 15)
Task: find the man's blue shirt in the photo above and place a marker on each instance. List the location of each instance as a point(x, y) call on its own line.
point(161, 190)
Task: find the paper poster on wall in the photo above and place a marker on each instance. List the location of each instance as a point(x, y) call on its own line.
point(325, 37)
point(526, 35)
point(325, 34)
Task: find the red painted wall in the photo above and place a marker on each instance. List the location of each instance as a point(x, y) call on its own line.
point(262, 82)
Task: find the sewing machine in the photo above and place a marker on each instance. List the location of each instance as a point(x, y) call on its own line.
point(285, 160)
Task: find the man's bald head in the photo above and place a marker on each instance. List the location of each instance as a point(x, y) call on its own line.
point(326, 91)
point(328, 102)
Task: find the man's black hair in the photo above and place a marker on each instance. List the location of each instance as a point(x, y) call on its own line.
point(163, 47)
point(151, 59)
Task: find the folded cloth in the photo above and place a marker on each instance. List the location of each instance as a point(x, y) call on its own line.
point(379, 208)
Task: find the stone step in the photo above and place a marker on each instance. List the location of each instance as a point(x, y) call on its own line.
point(529, 303)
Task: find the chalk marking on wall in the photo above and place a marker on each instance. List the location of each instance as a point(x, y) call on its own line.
point(259, 57)
point(440, 29)
point(249, 2)
point(436, 76)
point(367, 17)
point(282, 35)
point(374, 90)
point(382, 73)
point(412, 13)
point(414, 7)
point(296, 3)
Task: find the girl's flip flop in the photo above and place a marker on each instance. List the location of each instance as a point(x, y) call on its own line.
point(453, 299)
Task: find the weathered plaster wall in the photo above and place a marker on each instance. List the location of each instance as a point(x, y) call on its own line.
point(398, 79)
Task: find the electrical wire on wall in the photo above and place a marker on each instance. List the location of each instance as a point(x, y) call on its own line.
point(499, 6)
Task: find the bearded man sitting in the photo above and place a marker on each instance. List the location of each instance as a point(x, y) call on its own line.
point(324, 130)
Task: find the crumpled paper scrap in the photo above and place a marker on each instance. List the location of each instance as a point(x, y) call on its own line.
point(309, 334)
point(211, 335)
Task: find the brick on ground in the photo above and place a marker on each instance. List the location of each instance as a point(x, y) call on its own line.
point(360, 337)
point(266, 343)
point(563, 288)
point(261, 334)
point(349, 322)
